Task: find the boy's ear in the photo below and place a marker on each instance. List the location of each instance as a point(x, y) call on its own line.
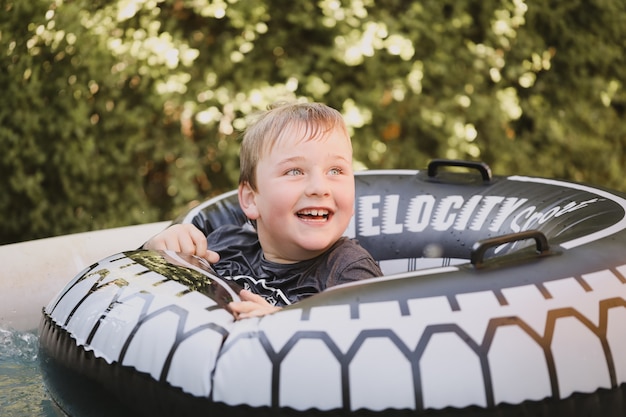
point(247, 201)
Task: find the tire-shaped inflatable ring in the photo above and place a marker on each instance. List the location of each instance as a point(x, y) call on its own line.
point(500, 296)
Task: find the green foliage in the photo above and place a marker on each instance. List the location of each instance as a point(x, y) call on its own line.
point(129, 111)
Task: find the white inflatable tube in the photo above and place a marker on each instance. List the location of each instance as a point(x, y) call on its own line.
point(530, 323)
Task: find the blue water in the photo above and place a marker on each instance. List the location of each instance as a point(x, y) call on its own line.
point(22, 392)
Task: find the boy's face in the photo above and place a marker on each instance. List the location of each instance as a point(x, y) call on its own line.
point(305, 195)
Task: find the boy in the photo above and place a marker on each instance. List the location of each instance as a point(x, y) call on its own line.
point(296, 186)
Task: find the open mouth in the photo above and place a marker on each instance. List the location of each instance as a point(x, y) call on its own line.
point(313, 214)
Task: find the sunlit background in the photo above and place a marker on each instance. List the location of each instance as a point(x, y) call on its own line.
point(130, 111)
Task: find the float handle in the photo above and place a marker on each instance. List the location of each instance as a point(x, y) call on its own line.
point(482, 167)
point(480, 247)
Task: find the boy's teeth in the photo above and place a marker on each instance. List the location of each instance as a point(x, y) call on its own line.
point(314, 212)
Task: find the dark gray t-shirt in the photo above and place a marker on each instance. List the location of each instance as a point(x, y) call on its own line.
point(242, 260)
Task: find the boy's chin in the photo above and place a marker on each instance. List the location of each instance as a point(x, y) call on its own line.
point(316, 246)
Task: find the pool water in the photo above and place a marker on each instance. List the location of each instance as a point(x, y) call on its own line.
point(22, 392)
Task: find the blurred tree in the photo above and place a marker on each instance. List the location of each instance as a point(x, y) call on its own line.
point(569, 80)
point(129, 111)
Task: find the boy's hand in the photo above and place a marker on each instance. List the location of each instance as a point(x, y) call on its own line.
point(251, 305)
point(184, 238)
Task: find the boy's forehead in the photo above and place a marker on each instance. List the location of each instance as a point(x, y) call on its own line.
point(298, 132)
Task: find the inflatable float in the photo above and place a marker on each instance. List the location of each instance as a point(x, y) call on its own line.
point(500, 296)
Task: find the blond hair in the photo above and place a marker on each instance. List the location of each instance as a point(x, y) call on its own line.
point(314, 120)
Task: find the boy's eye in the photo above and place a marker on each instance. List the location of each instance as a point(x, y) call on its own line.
point(294, 172)
point(335, 171)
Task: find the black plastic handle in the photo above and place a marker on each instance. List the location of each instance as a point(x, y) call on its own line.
point(480, 247)
point(482, 167)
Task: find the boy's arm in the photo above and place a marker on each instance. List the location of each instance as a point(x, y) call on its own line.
point(185, 238)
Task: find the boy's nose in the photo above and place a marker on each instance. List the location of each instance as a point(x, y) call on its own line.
point(317, 185)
